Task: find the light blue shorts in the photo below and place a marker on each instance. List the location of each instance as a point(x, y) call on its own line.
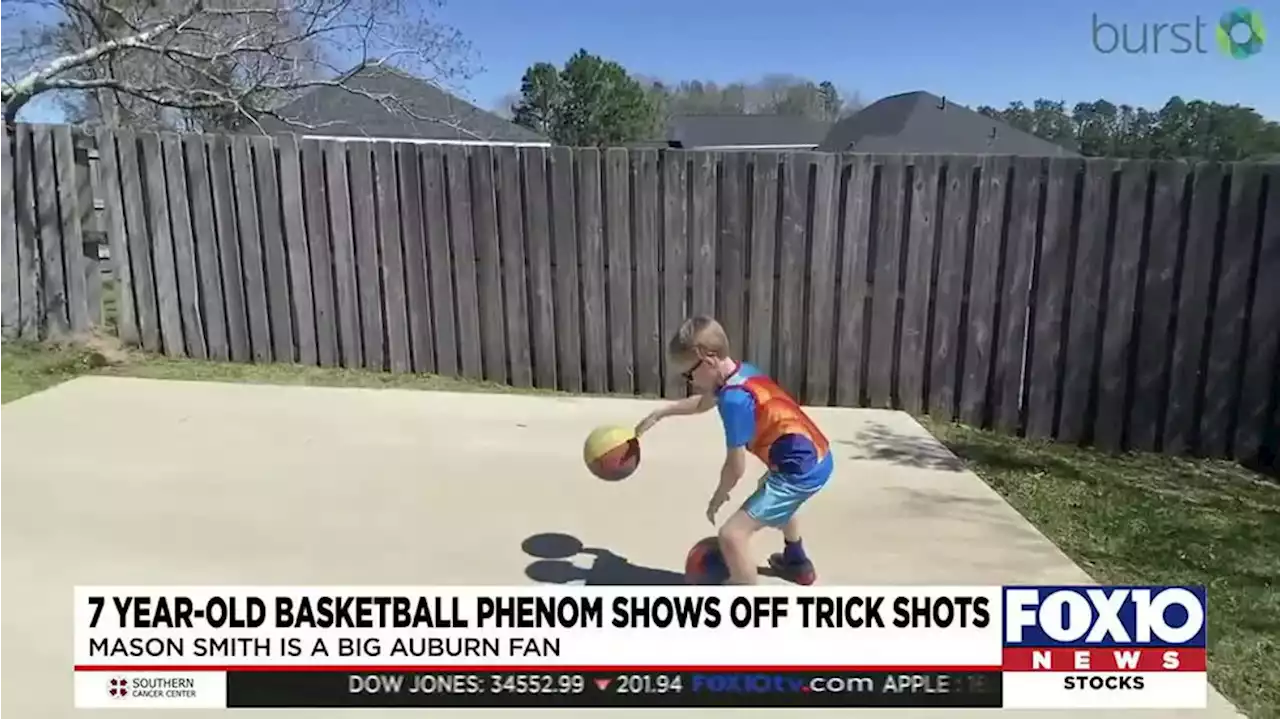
point(779, 496)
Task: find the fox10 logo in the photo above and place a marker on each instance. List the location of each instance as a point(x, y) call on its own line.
point(1105, 637)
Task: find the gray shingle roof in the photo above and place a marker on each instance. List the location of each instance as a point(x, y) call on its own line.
point(336, 111)
point(693, 131)
point(925, 123)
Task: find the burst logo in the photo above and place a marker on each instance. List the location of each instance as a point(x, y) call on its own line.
point(1240, 33)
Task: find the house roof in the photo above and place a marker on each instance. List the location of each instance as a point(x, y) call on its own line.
point(925, 123)
point(420, 111)
point(694, 131)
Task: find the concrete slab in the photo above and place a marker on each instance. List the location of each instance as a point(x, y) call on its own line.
point(114, 480)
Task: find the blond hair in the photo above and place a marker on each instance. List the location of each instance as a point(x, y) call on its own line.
point(699, 335)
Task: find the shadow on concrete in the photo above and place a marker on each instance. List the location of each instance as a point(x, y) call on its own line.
point(878, 442)
point(553, 565)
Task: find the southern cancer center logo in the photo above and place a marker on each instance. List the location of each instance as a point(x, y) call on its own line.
point(1241, 33)
point(118, 688)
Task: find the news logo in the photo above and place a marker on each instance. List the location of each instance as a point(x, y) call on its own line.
point(1104, 616)
point(1105, 646)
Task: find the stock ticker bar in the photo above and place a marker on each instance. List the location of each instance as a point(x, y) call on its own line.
point(589, 689)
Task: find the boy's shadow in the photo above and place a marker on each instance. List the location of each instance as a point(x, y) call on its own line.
point(553, 552)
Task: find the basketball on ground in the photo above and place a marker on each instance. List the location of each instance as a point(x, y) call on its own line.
point(705, 564)
point(612, 453)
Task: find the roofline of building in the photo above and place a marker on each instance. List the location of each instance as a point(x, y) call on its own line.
point(431, 141)
point(809, 145)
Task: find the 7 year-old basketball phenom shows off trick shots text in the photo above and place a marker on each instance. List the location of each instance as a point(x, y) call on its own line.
point(759, 418)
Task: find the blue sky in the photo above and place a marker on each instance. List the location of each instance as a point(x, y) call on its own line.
point(981, 52)
point(985, 52)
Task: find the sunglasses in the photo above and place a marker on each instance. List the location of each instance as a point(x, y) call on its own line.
point(688, 374)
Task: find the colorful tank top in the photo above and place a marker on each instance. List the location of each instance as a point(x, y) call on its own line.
point(761, 416)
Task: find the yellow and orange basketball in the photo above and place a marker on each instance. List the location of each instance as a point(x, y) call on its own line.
point(612, 453)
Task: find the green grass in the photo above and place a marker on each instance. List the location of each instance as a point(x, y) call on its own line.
point(28, 368)
point(1152, 519)
point(1136, 518)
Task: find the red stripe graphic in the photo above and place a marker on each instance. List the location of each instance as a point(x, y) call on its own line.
point(1109, 659)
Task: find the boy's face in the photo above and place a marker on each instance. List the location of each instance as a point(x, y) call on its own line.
point(699, 370)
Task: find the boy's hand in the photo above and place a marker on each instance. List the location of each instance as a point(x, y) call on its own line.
point(717, 501)
point(647, 423)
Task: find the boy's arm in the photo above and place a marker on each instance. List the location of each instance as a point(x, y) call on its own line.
point(694, 404)
point(738, 412)
point(735, 465)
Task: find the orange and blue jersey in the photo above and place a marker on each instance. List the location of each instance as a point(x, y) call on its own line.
point(760, 416)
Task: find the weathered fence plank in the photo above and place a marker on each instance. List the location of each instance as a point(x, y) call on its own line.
point(764, 223)
point(30, 300)
point(364, 238)
point(346, 294)
point(564, 260)
point(1117, 330)
point(161, 242)
point(648, 284)
point(244, 180)
point(250, 259)
point(462, 251)
point(1021, 235)
point(1186, 380)
point(913, 357)
point(822, 262)
point(732, 246)
point(675, 258)
point(315, 198)
point(274, 256)
point(792, 267)
point(53, 291)
point(890, 203)
point(204, 238)
point(855, 292)
point(537, 204)
point(702, 240)
point(1261, 370)
point(1225, 359)
point(292, 207)
point(9, 297)
point(1079, 357)
point(440, 261)
point(414, 237)
point(224, 213)
point(184, 248)
point(617, 227)
point(515, 291)
point(493, 342)
point(109, 172)
point(1150, 383)
point(595, 337)
point(70, 184)
point(980, 326)
point(391, 257)
point(1051, 297)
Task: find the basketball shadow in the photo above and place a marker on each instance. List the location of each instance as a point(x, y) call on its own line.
point(554, 551)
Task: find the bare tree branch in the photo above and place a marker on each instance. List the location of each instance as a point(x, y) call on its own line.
point(225, 62)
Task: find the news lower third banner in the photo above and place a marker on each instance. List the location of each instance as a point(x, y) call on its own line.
point(560, 646)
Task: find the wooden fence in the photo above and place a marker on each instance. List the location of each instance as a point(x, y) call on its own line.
point(1125, 304)
point(52, 282)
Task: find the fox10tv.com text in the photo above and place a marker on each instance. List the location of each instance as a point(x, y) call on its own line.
point(1072, 647)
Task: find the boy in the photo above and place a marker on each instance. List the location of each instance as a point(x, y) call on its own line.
point(760, 418)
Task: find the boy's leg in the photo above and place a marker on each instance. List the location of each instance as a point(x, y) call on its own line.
point(792, 563)
point(735, 545)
